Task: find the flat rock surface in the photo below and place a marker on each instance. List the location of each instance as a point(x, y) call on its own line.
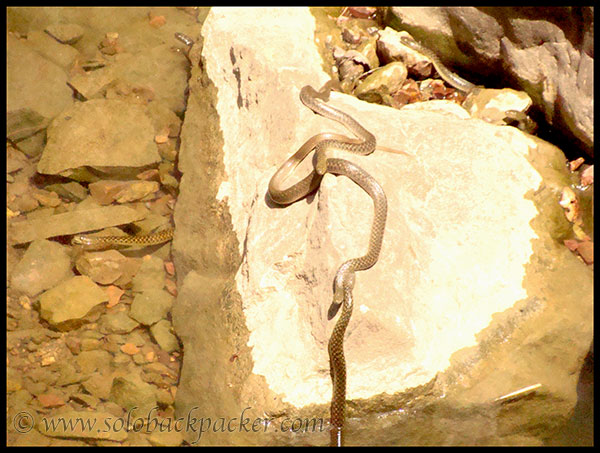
point(101, 132)
point(71, 223)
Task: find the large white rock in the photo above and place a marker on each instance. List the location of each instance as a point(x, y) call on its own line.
point(463, 242)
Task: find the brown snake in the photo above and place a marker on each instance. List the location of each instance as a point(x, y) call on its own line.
point(521, 119)
point(100, 242)
point(344, 278)
point(452, 79)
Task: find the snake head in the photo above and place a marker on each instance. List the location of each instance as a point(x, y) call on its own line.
point(338, 299)
point(343, 284)
point(81, 239)
point(321, 161)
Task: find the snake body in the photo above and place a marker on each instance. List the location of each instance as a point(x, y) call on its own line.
point(345, 278)
point(457, 82)
point(521, 119)
point(343, 285)
point(100, 242)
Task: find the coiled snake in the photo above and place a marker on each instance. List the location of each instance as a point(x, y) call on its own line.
point(344, 278)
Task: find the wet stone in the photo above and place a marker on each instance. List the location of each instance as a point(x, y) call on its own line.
point(85, 399)
point(99, 133)
point(71, 223)
point(34, 82)
point(151, 306)
point(117, 322)
point(71, 300)
point(72, 191)
point(44, 265)
point(15, 159)
point(92, 84)
point(68, 374)
point(491, 105)
point(63, 55)
point(162, 334)
point(105, 192)
point(107, 267)
point(34, 145)
point(92, 361)
point(23, 123)
point(150, 276)
point(382, 83)
point(98, 385)
point(133, 394)
point(166, 438)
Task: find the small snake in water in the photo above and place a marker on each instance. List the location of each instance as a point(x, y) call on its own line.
point(344, 278)
point(101, 242)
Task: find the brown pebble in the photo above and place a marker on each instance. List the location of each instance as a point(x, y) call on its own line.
point(586, 251)
point(574, 164)
point(170, 267)
point(114, 295)
point(50, 400)
point(158, 21)
point(587, 176)
point(130, 349)
point(171, 287)
point(161, 139)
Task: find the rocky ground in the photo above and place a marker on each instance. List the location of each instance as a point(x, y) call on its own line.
point(94, 116)
point(96, 99)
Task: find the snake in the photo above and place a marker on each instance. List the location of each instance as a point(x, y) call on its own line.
point(344, 280)
point(521, 119)
point(89, 242)
point(456, 81)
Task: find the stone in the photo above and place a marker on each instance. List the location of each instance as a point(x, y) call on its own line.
point(33, 82)
point(162, 334)
point(24, 123)
point(151, 275)
point(134, 395)
point(117, 322)
point(61, 54)
point(541, 50)
point(381, 83)
point(71, 223)
point(70, 300)
point(106, 267)
point(44, 265)
point(99, 132)
point(474, 296)
point(150, 306)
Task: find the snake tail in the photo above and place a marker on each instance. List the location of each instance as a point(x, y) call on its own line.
point(338, 371)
